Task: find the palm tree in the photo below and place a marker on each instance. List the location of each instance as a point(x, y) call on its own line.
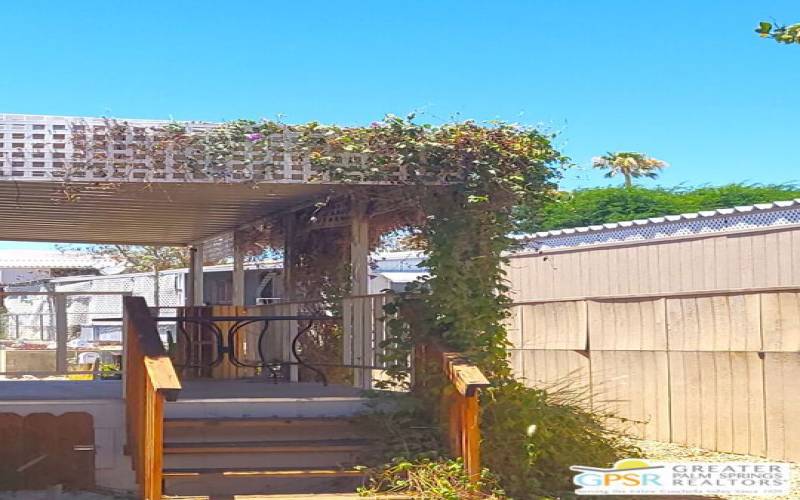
point(629, 164)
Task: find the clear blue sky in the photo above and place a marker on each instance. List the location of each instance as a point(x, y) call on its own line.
point(685, 81)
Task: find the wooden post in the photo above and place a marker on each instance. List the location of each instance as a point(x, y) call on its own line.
point(195, 288)
point(472, 440)
point(289, 231)
point(153, 450)
point(188, 296)
point(156, 287)
point(359, 285)
point(359, 249)
point(238, 270)
point(149, 379)
point(289, 333)
point(459, 402)
point(289, 293)
point(60, 303)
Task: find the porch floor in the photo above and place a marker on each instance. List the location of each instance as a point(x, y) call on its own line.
point(258, 389)
point(59, 390)
point(82, 390)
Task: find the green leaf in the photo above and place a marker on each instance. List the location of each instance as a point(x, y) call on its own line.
point(764, 28)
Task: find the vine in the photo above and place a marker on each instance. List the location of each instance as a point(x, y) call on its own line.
point(455, 187)
point(469, 178)
point(456, 184)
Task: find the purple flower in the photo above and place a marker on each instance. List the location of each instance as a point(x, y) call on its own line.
point(375, 124)
point(255, 137)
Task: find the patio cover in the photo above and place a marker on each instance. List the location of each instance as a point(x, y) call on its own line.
point(124, 197)
point(138, 214)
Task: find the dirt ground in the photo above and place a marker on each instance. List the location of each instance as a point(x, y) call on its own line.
point(656, 450)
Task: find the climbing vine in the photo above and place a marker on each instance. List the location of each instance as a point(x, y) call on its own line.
point(455, 184)
point(469, 176)
point(454, 187)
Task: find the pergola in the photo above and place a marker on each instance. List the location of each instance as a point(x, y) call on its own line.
point(101, 181)
point(94, 181)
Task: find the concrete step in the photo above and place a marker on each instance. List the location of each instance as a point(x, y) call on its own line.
point(205, 423)
point(177, 430)
point(282, 446)
point(257, 446)
point(315, 407)
point(259, 481)
point(322, 453)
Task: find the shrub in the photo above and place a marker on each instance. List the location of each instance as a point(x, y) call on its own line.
point(585, 207)
point(532, 436)
point(439, 479)
point(416, 463)
point(404, 426)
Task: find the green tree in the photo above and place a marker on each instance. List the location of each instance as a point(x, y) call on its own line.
point(629, 164)
point(782, 34)
point(733, 195)
point(585, 207)
point(139, 259)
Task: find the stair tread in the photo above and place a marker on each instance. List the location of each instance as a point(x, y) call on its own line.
point(244, 421)
point(268, 445)
point(262, 472)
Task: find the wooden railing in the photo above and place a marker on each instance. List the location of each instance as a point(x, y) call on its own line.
point(364, 331)
point(150, 379)
point(459, 400)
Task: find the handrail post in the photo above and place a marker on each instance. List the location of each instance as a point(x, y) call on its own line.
point(149, 379)
point(60, 306)
point(471, 447)
point(460, 401)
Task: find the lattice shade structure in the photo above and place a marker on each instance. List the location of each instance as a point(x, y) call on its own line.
point(34, 147)
point(97, 180)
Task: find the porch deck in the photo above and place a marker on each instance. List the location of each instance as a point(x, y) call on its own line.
point(252, 390)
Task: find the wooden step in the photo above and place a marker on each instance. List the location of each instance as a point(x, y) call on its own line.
point(260, 480)
point(287, 408)
point(294, 446)
point(182, 423)
point(261, 473)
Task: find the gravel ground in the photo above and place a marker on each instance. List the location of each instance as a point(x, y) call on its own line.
point(656, 450)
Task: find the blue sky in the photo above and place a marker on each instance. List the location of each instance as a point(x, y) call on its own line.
point(685, 81)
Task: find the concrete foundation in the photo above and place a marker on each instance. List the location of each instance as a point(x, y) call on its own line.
point(100, 399)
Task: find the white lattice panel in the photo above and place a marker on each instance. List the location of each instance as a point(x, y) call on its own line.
point(34, 147)
point(714, 221)
point(218, 249)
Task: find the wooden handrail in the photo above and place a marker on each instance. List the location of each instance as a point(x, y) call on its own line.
point(150, 379)
point(459, 403)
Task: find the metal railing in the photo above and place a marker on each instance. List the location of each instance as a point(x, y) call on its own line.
point(225, 333)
